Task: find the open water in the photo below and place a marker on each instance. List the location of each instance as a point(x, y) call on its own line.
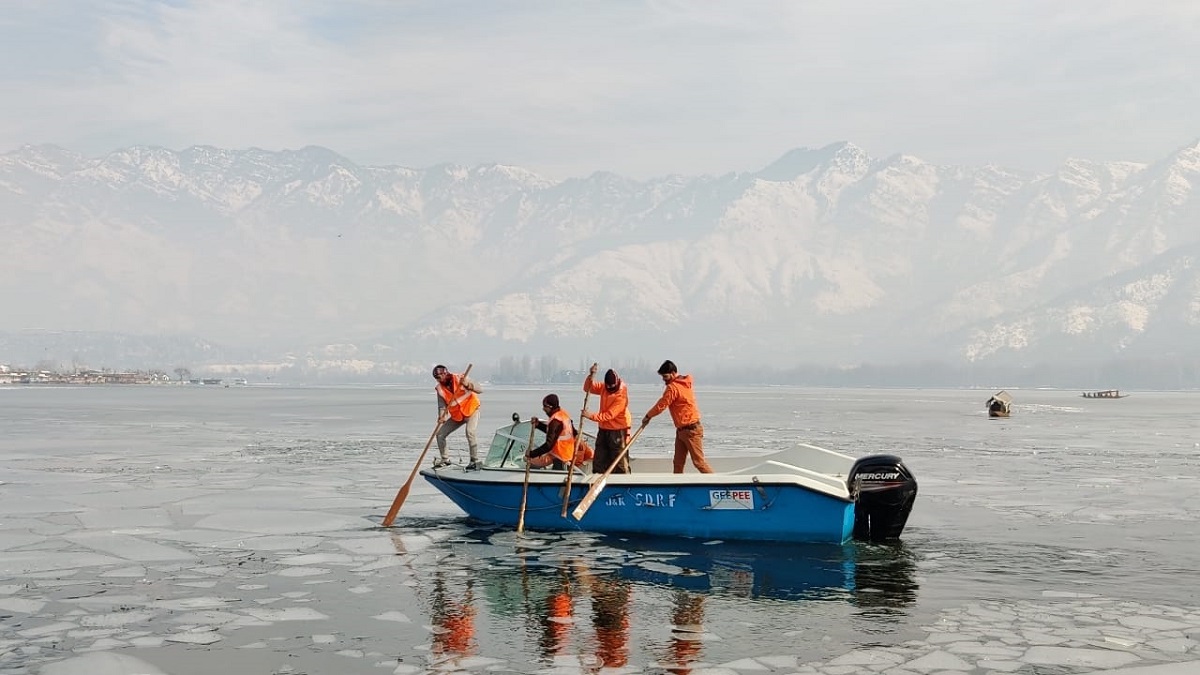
point(198, 529)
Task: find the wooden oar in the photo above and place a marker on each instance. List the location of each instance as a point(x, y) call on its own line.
point(525, 488)
point(598, 485)
point(404, 489)
point(575, 452)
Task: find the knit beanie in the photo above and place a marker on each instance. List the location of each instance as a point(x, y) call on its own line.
point(611, 381)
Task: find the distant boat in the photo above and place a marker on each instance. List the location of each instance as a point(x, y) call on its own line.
point(1107, 393)
point(1000, 404)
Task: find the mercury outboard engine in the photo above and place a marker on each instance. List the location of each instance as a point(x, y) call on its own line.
point(883, 490)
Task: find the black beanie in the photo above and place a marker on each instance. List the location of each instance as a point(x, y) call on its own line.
point(551, 400)
point(611, 381)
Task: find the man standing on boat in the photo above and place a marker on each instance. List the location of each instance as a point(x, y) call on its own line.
point(613, 419)
point(458, 405)
point(559, 448)
point(680, 399)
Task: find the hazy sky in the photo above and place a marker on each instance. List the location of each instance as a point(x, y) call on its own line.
point(640, 88)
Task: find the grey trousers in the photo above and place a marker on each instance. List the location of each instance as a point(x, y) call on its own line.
point(450, 426)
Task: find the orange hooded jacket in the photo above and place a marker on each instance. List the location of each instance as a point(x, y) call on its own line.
point(614, 407)
point(680, 398)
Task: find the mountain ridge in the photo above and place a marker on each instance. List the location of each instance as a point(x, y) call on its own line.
point(826, 255)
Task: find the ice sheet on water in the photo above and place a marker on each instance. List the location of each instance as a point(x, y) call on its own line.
point(204, 602)
point(266, 521)
point(133, 572)
point(270, 542)
point(101, 663)
point(399, 617)
point(11, 540)
point(33, 504)
point(221, 501)
point(286, 614)
point(1078, 657)
point(21, 605)
point(204, 638)
point(28, 563)
point(376, 565)
point(206, 618)
point(368, 546)
point(134, 497)
point(127, 547)
point(213, 538)
point(295, 572)
point(1189, 668)
point(318, 559)
point(52, 628)
point(116, 618)
point(197, 584)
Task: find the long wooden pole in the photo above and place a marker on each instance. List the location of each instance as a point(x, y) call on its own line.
point(404, 489)
point(598, 485)
point(578, 440)
point(525, 488)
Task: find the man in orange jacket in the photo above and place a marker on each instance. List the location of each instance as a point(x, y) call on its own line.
point(680, 399)
point(613, 419)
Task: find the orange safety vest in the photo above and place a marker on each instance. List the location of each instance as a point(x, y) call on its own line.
point(564, 449)
point(461, 403)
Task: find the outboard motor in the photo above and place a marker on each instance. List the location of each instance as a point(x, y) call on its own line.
point(883, 490)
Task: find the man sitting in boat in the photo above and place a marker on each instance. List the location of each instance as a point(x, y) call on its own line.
point(559, 448)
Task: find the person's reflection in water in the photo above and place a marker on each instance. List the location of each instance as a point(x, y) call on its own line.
point(558, 617)
point(610, 618)
point(453, 619)
point(688, 620)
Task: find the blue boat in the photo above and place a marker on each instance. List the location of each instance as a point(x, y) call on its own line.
point(801, 494)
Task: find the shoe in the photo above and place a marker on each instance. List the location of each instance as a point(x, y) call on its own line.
point(439, 463)
point(473, 466)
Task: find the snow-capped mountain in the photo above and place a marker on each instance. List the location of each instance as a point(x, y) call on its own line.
point(825, 256)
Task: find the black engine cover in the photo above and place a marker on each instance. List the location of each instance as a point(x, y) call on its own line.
point(883, 490)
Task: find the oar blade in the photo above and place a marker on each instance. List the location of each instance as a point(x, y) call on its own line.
point(586, 503)
point(396, 504)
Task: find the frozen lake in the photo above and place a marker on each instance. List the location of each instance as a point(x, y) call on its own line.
point(192, 529)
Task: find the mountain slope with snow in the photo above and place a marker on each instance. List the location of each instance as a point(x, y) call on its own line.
point(825, 256)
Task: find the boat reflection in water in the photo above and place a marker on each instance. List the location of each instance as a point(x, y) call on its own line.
point(572, 596)
point(867, 575)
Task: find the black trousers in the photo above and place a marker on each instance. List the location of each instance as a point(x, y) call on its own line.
point(609, 443)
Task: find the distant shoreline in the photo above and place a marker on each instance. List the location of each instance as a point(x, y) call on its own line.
point(107, 379)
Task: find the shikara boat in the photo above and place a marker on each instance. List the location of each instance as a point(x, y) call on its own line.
point(1107, 393)
point(1000, 404)
point(802, 494)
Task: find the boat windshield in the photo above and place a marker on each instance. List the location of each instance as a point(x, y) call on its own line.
point(509, 445)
